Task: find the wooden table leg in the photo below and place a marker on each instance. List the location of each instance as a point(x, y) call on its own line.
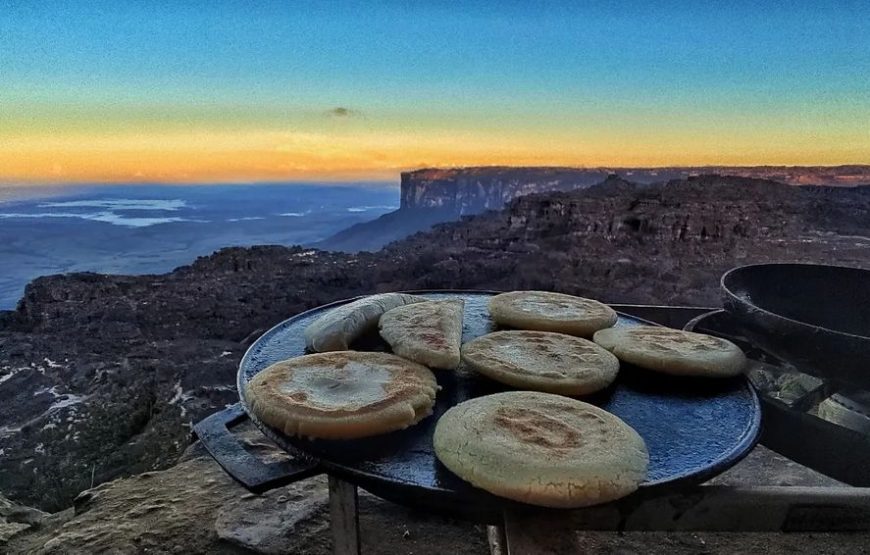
point(344, 517)
point(497, 541)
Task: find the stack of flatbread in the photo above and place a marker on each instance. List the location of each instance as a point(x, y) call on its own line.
point(549, 359)
point(341, 326)
point(543, 352)
point(551, 450)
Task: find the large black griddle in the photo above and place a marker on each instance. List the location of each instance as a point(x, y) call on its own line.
point(815, 317)
point(693, 428)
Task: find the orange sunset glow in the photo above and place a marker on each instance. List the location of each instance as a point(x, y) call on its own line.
point(270, 155)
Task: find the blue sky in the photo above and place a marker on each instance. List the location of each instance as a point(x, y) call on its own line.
point(483, 73)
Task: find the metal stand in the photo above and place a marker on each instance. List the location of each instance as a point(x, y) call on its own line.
point(703, 508)
point(344, 515)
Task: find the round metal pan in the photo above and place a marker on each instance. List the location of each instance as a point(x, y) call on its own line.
point(693, 428)
point(814, 317)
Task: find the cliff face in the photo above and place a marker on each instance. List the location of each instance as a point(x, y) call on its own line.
point(474, 190)
point(102, 376)
point(431, 196)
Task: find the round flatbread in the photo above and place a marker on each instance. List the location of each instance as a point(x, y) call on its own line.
point(672, 351)
point(542, 361)
point(541, 449)
point(342, 394)
point(547, 311)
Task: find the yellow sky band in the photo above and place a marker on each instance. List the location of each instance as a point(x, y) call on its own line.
point(251, 155)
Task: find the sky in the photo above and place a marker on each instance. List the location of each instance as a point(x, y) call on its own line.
point(223, 91)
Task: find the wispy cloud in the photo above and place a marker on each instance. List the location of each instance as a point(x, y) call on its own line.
point(342, 112)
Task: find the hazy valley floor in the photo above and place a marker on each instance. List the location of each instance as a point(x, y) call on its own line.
point(153, 229)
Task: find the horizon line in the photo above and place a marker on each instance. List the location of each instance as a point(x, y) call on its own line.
point(381, 180)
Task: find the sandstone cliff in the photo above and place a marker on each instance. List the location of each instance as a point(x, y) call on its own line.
point(474, 190)
point(432, 196)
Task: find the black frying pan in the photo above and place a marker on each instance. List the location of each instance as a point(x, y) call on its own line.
point(815, 317)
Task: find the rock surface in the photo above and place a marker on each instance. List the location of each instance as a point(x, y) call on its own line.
point(194, 507)
point(621, 242)
point(272, 525)
point(15, 518)
point(102, 376)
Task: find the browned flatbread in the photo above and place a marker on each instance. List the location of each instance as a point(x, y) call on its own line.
point(429, 332)
point(542, 449)
point(342, 394)
point(673, 351)
point(548, 311)
point(542, 361)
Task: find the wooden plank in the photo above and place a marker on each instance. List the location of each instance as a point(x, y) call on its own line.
point(495, 538)
point(703, 508)
point(344, 517)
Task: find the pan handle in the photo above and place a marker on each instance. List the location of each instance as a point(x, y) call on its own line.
point(257, 476)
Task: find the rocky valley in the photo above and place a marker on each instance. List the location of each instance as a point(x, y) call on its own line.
point(101, 377)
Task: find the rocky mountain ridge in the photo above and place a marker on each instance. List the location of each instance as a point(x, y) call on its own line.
point(477, 189)
point(436, 195)
point(102, 376)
